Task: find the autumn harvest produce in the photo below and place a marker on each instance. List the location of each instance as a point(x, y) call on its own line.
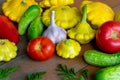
point(29, 15)
point(8, 30)
point(94, 12)
point(14, 9)
point(68, 49)
point(108, 37)
point(40, 48)
point(55, 33)
point(50, 3)
point(83, 32)
point(8, 50)
point(109, 73)
point(102, 59)
point(63, 32)
point(65, 16)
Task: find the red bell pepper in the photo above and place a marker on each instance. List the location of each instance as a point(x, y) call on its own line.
point(8, 30)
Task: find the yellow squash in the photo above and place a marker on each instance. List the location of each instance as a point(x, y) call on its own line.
point(7, 50)
point(14, 9)
point(65, 16)
point(68, 48)
point(82, 32)
point(50, 3)
point(98, 12)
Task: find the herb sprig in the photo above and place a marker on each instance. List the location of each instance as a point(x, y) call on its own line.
point(35, 76)
point(70, 73)
point(5, 72)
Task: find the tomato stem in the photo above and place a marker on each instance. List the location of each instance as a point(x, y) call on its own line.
point(39, 46)
point(115, 35)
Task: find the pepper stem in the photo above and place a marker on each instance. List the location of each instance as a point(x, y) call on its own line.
point(84, 17)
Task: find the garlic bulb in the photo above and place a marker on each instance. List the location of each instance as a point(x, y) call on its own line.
point(54, 32)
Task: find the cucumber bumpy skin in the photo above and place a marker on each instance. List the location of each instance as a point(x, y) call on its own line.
point(30, 14)
point(109, 73)
point(101, 59)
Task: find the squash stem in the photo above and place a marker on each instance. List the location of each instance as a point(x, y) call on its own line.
point(67, 42)
point(84, 17)
point(23, 2)
point(2, 43)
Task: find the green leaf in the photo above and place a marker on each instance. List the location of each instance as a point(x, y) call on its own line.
point(65, 72)
point(85, 73)
point(70, 73)
point(35, 76)
point(5, 72)
point(81, 78)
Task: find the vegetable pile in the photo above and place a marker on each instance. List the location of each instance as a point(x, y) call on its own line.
point(54, 26)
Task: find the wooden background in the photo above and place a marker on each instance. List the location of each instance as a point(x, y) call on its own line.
point(29, 66)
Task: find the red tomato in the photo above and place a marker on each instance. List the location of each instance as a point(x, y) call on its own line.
point(108, 37)
point(41, 48)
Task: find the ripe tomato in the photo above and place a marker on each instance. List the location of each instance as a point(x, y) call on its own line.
point(108, 37)
point(41, 48)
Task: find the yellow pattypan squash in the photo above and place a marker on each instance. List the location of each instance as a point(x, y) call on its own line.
point(68, 48)
point(7, 50)
point(50, 3)
point(98, 12)
point(65, 16)
point(82, 32)
point(14, 9)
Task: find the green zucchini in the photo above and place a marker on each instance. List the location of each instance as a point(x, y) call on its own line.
point(101, 59)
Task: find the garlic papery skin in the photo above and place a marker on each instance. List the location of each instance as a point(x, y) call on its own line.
point(54, 32)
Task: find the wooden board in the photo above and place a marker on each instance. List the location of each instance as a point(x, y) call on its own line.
point(29, 66)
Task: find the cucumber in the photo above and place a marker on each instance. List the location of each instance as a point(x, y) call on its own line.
point(30, 14)
point(101, 59)
point(109, 73)
point(35, 29)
